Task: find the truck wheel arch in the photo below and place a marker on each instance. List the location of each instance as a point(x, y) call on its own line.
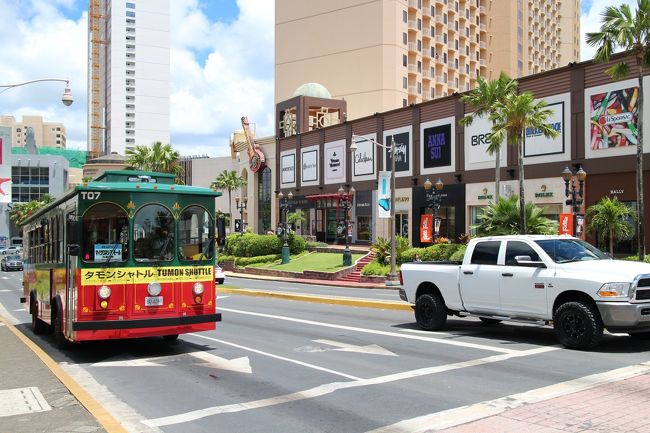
point(571, 296)
point(427, 288)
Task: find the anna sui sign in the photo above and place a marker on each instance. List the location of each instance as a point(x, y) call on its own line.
point(437, 146)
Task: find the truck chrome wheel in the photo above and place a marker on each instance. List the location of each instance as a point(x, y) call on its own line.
point(578, 325)
point(430, 312)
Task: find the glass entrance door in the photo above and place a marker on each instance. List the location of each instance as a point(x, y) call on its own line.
point(332, 224)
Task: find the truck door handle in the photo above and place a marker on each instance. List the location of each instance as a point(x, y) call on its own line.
point(507, 274)
point(468, 272)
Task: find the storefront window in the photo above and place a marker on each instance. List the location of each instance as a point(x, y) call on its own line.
point(106, 234)
point(402, 224)
point(264, 201)
point(447, 215)
point(364, 228)
point(195, 234)
point(474, 213)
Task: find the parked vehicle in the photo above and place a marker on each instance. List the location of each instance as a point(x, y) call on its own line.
point(219, 275)
point(543, 279)
point(11, 263)
point(11, 251)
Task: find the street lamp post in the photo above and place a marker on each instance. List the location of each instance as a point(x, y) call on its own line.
point(575, 195)
point(433, 197)
point(284, 209)
point(392, 276)
point(67, 98)
point(241, 207)
point(345, 201)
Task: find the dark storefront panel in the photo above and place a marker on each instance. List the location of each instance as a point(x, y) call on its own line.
point(363, 210)
point(452, 212)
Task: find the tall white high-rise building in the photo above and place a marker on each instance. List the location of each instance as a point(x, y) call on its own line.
point(128, 74)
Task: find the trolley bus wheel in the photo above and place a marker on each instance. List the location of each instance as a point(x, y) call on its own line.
point(171, 338)
point(38, 326)
point(57, 325)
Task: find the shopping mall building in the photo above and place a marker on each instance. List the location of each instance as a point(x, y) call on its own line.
point(594, 115)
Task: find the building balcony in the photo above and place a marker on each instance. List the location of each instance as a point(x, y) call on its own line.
point(412, 47)
point(413, 4)
point(412, 90)
point(482, 45)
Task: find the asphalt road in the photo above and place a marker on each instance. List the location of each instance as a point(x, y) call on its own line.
point(275, 365)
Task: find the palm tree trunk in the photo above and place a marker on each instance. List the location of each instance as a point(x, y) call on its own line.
point(611, 242)
point(497, 176)
point(232, 219)
point(639, 168)
point(522, 200)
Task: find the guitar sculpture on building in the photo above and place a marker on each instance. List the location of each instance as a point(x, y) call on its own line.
point(256, 159)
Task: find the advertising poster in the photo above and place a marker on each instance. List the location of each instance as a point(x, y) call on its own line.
point(613, 117)
point(383, 195)
point(535, 144)
point(364, 159)
point(426, 224)
point(477, 142)
point(309, 161)
point(402, 154)
point(5, 164)
point(566, 224)
point(436, 142)
point(335, 162)
point(288, 168)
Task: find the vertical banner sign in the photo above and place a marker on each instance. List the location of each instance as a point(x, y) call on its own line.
point(566, 224)
point(383, 195)
point(426, 221)
point(5, 164)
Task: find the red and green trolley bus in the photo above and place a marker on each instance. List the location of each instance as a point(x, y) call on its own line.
point(127, 255)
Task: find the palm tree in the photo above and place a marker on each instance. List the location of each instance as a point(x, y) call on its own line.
point(631, 32)
point(510, 118)
point(609, 218)
point(483, 99)
point(160, 157)
point(228, 180)
point(502, 218)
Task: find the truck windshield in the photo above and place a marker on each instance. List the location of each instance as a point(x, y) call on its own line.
point(570, 250)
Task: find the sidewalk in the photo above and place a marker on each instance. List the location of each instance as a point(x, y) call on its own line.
point(33, 396)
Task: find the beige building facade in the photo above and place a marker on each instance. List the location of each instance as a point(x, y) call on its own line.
point(46, 134)
point(385, 54)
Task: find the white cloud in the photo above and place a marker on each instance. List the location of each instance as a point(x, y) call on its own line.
point(590, 21)
point(219, 71)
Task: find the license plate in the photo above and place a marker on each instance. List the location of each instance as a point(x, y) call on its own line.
point(153, 301)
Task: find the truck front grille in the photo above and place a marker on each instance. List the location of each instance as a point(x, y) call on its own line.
point(642, 295)
point(644, 282)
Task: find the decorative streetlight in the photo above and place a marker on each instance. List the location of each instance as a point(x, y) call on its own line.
point(67, 98)
point(284, 209)
point(433, 197)
point(241, 208)
point(392, 276)
point(575, 196)
point(345, 201)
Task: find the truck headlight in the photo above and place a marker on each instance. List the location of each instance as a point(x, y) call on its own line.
point(614, 290)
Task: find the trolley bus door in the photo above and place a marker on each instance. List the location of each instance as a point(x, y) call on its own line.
point(72, 251)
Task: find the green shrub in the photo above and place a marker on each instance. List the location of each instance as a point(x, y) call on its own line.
point(409, 255)
point(459, 253)
point(375, 268)
point(245, 261)
point(297, 244)
point(317, 245)
point(253, 245)
point(221, 258)
point(636, 258)
point(441, 252)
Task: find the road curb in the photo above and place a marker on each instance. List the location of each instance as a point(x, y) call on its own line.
point(338, 283)
point(110, 424)
point(367, 303)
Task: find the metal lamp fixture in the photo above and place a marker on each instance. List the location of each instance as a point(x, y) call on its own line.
point(284, 209)
point(241, 208)
point(433, 199)
point(345, 201)
point(67, 98)
point(575, 195)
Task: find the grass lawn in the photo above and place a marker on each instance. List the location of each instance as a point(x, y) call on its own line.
point(325, 262)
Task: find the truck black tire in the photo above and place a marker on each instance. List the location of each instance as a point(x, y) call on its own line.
point(578, 325)
point(430, 312)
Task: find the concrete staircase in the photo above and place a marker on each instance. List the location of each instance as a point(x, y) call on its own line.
point(355, 276)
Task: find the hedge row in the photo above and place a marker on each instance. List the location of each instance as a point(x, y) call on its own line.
point(245, 261)
point(253, 245)
point(438, 252)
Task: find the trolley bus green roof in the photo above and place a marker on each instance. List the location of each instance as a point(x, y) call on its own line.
point(131, 181)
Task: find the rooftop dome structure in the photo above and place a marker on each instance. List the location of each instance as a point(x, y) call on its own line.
point(313, 90)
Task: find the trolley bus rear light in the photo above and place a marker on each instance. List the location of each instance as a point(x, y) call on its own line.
point(198, 299)
point(154, 288)
point(104, 292)
point(198, 288)
point(104, 304)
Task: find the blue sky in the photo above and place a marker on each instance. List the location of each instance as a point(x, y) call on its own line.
point(222, 65)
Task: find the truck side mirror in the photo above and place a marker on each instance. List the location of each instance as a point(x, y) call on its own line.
point(528, 262)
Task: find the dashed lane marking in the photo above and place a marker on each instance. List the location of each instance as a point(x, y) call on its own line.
point(330, 388)
point(464, 414)
point(377, 332)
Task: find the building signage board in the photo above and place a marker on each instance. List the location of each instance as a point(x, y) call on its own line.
point(363, 203)
point(426, 226)
point(383, 195)
point(309, 166)
point(364, 163)
point(536, 144)
point(477, 141)
point(436, 146)
point(335, 162)
point(403, 150)
point(5, 164)
point(288, 168)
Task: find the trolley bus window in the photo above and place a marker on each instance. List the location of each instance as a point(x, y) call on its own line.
point(153, 234)
point(196, 234)
point(105, 234)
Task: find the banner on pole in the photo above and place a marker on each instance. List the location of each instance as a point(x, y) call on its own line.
point(383, 195)
point(426, 223)
point(566, 224)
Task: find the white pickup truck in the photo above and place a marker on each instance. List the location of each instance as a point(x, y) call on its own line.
point(533, 278)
